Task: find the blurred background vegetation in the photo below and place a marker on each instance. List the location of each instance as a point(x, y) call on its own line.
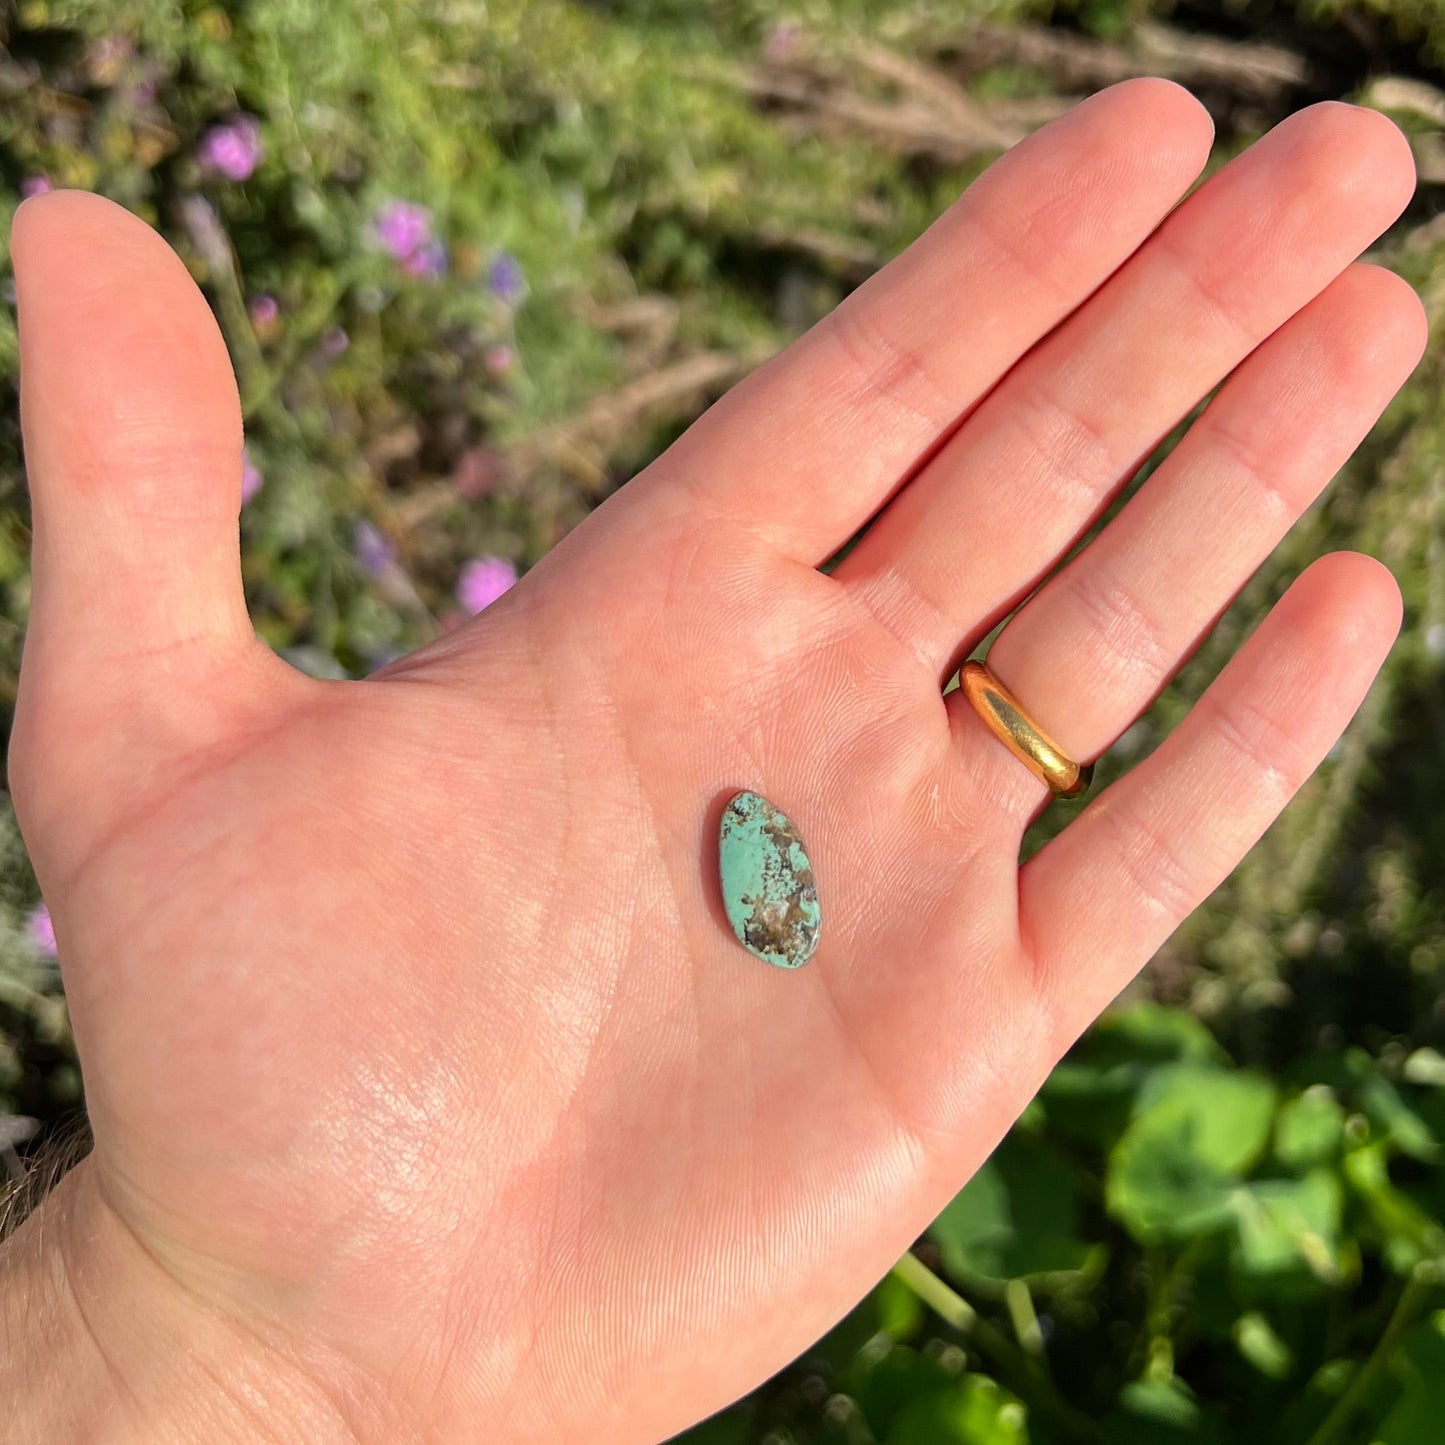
point(478, 262)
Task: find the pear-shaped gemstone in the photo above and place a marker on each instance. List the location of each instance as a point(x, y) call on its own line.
point(767, 882)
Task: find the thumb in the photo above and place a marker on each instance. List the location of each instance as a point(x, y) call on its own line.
point(132, 433)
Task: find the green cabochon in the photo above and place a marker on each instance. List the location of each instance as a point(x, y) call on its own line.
point(767, 882)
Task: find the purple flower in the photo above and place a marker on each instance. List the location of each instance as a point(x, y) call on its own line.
point(376, 554)
point(428, 260)
point(403, 228)
point(482, 581)
point(40, 930)
point(232, 149)
point(334, 341)
point(36, 185)
point(505, 279)
point(373, 550)
point(251, 478)
point(263, 311)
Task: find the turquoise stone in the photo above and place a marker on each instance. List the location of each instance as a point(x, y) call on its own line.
point(767, 882)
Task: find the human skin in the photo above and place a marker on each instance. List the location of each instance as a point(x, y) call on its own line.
point(433, 1098)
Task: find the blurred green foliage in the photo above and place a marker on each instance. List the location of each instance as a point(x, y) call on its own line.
point(1221, 1219)
point(1168, 1247)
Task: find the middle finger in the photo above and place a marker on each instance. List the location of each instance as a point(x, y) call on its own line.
point(1044, 452)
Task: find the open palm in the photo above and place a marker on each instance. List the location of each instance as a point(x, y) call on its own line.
point(424, 1069)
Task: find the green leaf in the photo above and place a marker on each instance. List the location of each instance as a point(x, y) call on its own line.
point(1151, 1033)
point(1091, 1104)
point(1309, 1407)
point(972, 1411)
point(1017, 1217)
point(1199, 1129)
point(1418, 1414)
point(837, 1351)
point(1257, 1340)
point(1227, 1111)
point(1388, 1111)
point(1425, 1066)
point(1309, 1129)
point(976, 1225)
point(1407, 1233)
point(1161, 1193)
point(900, 1311)
point(1090, 1096)
point(1161, 1412)
point(1284, 1226)
point(885, 1378)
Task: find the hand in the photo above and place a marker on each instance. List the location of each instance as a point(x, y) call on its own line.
point(432, 1095)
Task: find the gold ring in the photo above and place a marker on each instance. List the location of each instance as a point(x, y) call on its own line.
point(1016, 730)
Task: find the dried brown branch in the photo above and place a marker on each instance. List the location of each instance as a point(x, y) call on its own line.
point(845, 254)
point(1429, 152)
point(1073, 62)
point(580, 446)
point(919, 108)
point(648, 324)
point(1079, 63)
point(926, 112)
point(1397, 93)
point(1246, 67)
point(637, 315)
point(1427, 235)
point(1028, 113)
point(932, 90)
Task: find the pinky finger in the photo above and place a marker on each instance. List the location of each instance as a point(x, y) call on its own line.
point(1100, 898)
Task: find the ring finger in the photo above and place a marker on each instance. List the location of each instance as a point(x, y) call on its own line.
point(1094, 645)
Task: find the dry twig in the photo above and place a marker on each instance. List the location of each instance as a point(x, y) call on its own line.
point(1079, 63)
point(580, 446)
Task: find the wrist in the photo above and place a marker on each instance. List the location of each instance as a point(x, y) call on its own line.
point(98, 1343)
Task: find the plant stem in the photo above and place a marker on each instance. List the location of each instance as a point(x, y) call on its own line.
point(1015, 1368)
point(1025, 1320)
point(1424, 1280)
point(941, 1298)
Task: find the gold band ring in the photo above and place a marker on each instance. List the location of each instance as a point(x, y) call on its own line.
point(1016, 730)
